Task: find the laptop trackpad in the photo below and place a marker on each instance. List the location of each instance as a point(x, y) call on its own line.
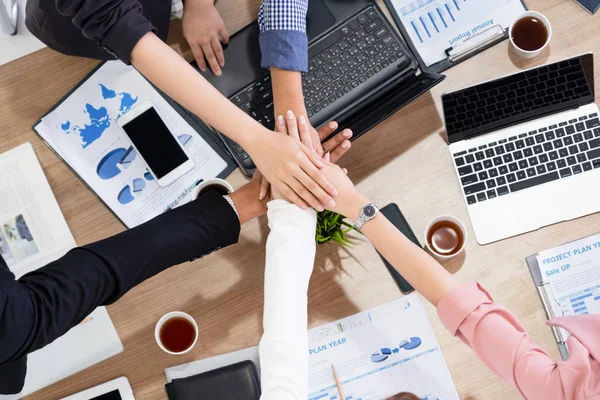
point(318, 19)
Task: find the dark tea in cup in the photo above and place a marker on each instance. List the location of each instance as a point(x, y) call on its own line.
point(530, 33)
point(176, 332)
point(445, 237)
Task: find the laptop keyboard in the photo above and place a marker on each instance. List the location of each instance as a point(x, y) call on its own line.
point(341, 62)
point(556, 152)
point(514, 96)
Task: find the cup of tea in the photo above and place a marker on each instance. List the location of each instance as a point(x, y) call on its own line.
point(445, 237)
point(176, 333)
point(219, 185)
point(530, 33)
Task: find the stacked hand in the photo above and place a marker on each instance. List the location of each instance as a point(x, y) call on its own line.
point(348, 202)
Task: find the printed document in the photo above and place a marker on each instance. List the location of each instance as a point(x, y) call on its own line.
point(84, 131)
point(437, 25)
point(33, 233)
point(572, 275)
point(376, 353)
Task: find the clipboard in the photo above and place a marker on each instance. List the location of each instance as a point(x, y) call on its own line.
point(552, 306)
point(196, 123)
point(464, 50)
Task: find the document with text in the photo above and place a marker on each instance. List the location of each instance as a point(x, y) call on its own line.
point(572, 274)
point(437, 25)
point(33, 231)
point(377, 353)
point(84, 132)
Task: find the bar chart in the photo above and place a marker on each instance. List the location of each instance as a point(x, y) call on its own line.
point(435, 26)
point(429, 18)
point(586, 301)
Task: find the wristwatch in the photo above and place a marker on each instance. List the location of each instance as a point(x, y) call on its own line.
point(368, 213)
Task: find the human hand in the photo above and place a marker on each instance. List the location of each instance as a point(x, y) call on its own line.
point(246, 202)
point(293, 169)
point(202, 27)
point(350, 201)
point(313, 138)
point(337, 146)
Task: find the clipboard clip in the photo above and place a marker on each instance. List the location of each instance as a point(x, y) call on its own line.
point(548, 304)
point(476, 43)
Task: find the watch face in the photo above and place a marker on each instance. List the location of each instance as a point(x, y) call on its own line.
point(369, 211)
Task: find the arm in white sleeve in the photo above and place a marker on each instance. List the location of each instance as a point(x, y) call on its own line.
point(289, 263)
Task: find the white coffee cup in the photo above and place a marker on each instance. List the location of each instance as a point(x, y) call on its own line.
point(167, 317)
point(453, 252)
point(209, 182)
point(530, 53)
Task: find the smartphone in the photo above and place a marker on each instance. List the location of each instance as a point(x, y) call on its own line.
point(591, 5)
point(394, 215)
point(155, 144)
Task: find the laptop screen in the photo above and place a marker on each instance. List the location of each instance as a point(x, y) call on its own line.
point(518, 98)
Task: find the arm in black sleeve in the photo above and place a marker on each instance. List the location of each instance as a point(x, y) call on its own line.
point(117, 25)
point(45, 304)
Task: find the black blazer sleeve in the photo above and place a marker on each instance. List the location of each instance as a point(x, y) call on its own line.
point(46, 303)
point(117, 25)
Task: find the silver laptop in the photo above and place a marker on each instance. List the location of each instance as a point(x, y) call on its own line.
point(526, 148)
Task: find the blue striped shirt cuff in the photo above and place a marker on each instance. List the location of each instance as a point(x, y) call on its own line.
point(284, 49)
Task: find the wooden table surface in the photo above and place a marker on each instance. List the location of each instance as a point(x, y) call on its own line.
point(403, 160)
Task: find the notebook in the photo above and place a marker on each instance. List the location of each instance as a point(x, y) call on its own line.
point(567, 278)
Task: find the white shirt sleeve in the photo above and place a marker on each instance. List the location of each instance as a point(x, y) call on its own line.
point(290, 259)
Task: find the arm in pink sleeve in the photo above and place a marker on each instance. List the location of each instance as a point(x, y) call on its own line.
point(503, 345)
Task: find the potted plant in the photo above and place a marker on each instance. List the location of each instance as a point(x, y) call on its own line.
point(331, 226)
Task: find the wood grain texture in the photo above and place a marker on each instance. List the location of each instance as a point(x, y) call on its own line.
point(403, 160)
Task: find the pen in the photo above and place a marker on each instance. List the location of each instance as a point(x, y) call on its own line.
point(337, 382)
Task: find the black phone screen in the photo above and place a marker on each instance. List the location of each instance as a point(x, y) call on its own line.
point(156, 144)
point(114, 395)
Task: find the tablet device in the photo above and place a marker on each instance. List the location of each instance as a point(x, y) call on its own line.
point(118, 389)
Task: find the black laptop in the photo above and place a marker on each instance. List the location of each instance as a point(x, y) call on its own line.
point(360, 71)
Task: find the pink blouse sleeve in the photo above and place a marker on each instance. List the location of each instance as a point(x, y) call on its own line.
point(503, 345)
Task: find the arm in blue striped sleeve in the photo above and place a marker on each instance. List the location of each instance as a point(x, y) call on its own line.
point(283, 40)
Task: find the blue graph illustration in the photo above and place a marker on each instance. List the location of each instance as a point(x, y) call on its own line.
point(428, 24)
point(330, 392)
point(108, 167)
point(384, 353)
point(184, 139)
point(125, 195)
point(582, 302)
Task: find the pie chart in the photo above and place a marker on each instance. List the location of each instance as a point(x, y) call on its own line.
point(381, 355)
point(138, 184)
point(125, 195)
point(412, 344)
point(184, 139)
point(108, 166)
